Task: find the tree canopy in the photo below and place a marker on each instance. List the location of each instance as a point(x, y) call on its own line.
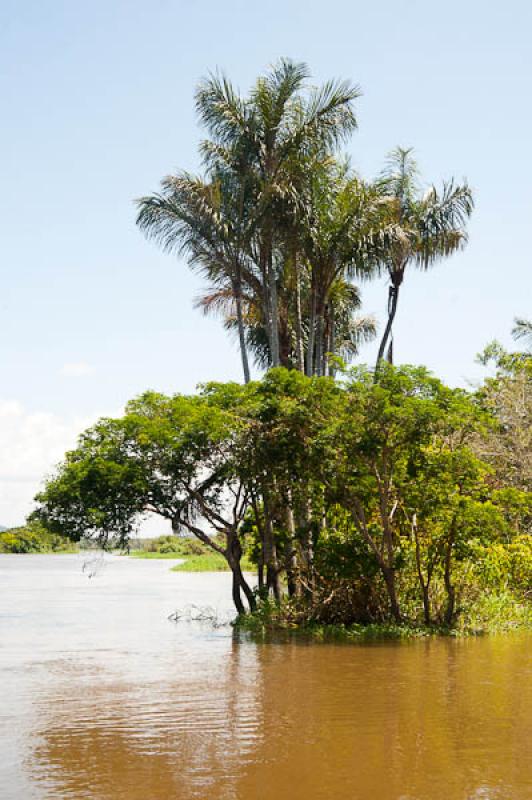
point(364, 499)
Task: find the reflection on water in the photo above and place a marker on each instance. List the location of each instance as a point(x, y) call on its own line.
point(103, 698)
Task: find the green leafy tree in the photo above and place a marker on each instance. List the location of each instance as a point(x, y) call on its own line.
point(169, 456)
point(369, 500)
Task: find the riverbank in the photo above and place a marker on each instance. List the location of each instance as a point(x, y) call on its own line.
point(194, 555)
point(205, 562)
point(209, 562)
point(491, 614)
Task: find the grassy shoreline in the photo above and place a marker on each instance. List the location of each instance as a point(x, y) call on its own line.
point(204, 562)
point(208, 562)
point(144, 554)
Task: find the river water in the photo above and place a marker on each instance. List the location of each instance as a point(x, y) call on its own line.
point(103, 698)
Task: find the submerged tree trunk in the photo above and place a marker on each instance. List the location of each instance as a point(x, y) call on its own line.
point(237, 599)
point(234, 556)
point(246, 588)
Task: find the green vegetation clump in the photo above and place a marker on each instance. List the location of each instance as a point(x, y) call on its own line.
point(34, 538)
point(211, 562)
point(197, 556)
point(169, 546)
point(495, 612)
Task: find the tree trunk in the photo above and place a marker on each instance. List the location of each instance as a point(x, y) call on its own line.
point(274, 311)
point(246, 588)
point(290, 552)
point(262, 557)
point(300, 354)
point(392, 308)
point(426, 604)
point(308, 543)
point(449, 588)
point(270, 552)
point(234, 555)
point(311, 334)
point(389, 579)
point(320, 356)
point(332, 338)
point(237, 599)
point(241, 333)
point(424, 584)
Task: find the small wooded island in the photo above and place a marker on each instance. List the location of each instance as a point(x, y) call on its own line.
point(362, 497)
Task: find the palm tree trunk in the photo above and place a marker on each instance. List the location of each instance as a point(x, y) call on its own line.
point(241, 332)
point(320, 355)
point(311, 334)
point(300, 354)
point(392, 308)
point(274, 310)
point(332, 342)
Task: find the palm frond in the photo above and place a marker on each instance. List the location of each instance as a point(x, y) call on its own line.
point(220, 108)
point(522, 330)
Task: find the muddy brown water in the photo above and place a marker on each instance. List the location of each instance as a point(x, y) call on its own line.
point(102, 698)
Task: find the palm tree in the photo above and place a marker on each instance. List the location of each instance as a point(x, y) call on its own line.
point(340, 235)
point(262, 137)
point(427, 227)
point(522, 330)
point(345, 329)
point(209, 222)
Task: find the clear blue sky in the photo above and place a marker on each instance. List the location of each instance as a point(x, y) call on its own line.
point(97, 102)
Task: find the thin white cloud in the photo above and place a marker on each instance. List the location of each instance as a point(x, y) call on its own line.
point(31, 444)
point(76, 369)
